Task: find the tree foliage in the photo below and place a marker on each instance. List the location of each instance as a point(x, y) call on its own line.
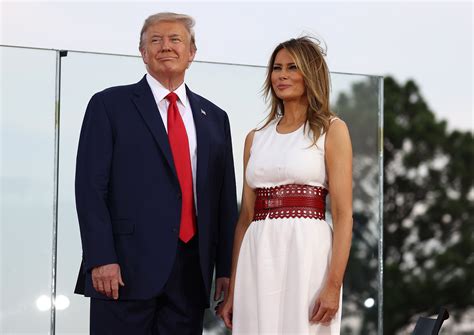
point(428, 210)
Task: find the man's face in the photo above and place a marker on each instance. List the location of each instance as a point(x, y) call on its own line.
point(167, 50)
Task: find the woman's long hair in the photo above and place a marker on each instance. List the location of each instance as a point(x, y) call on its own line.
point(309, 58)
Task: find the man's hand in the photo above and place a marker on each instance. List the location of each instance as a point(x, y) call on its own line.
point(106, 280)
point(222, 287)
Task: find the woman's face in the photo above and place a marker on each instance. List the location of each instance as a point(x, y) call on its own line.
point(287, 79)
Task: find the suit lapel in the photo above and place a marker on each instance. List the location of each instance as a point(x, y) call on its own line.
point(146, 105)
point(202, 138)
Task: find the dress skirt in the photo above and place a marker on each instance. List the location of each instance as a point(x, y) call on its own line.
point(282, 266)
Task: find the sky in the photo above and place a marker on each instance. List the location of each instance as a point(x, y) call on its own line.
point(430, 42)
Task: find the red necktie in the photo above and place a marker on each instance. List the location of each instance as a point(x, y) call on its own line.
point(180, 149)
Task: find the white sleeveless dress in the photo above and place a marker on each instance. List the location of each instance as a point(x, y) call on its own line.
point(283, 261)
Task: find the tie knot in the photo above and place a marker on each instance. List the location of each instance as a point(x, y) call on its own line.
point(172, 97)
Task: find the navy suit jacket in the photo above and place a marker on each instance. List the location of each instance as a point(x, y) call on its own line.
point(128, 196)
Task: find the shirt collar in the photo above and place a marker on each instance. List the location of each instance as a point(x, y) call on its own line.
point(160, 92)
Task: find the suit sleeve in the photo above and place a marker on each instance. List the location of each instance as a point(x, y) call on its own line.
point(227, 210)
point(93, 167)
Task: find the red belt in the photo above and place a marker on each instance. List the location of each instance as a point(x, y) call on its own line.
point(290, 201)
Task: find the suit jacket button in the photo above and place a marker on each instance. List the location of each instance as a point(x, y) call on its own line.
point(175, 230)
point(179, 195)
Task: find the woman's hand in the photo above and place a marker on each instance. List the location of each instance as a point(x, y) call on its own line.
point(225, 312)
point(326, 305)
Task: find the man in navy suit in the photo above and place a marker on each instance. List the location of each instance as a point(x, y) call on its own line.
point(155, 194)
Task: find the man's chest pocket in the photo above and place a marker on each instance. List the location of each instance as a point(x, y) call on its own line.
point(217, 154)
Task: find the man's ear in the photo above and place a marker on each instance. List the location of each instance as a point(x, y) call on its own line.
point(144, 55)
point(192, 54)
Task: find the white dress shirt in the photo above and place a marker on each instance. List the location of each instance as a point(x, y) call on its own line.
point(159, 93)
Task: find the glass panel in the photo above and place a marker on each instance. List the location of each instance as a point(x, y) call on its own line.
point(355, 99)
point(82, 76)
point(26, 171)
point(237, 90)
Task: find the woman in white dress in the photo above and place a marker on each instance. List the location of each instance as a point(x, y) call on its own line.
point(288, 262)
